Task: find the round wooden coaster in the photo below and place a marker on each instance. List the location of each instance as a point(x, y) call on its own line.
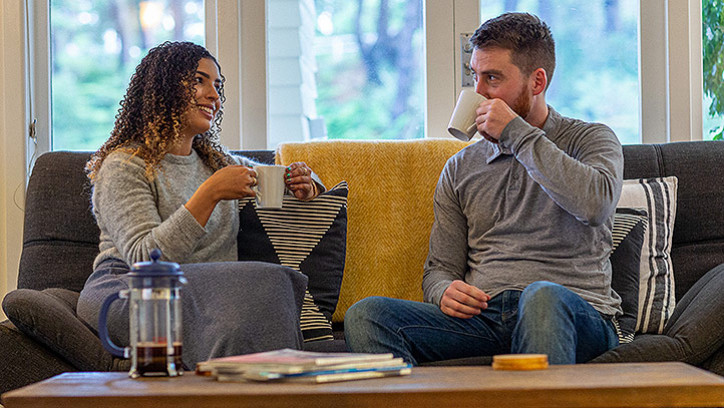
point(520, 362)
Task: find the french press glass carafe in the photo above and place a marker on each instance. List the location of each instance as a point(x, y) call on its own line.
point(154, 319)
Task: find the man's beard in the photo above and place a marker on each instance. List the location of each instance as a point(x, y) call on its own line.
point(523, 103)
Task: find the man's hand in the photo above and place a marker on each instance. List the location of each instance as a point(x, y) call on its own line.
point(463, 300)
point(493, 116)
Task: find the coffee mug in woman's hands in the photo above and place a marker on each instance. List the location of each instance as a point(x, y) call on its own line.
point(270, 186)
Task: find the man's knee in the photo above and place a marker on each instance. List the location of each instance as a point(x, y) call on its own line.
point(364, 312)
point(543, 294)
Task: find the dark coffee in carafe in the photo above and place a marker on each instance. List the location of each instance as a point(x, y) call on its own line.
point(154, 358)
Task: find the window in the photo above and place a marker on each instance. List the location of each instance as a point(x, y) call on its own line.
point(334, 96)
point(340, 69)
point(596, 74)
point(95, 47)
point(713, 64)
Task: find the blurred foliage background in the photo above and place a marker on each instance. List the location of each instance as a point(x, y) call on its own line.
point(370, 56)
point(95, 47)
point(713, 65)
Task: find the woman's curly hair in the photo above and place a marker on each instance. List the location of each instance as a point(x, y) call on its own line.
point(150, 119)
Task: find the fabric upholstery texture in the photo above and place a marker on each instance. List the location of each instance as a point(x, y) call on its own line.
point(694, 332)
point(656, 286)
point(390, 213)
point(25, 360)
point(68, 233)
point(49, 317)
point(308, 236)
point(629, 227)
point(698, 241)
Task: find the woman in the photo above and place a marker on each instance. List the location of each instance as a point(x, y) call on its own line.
point(162, 181)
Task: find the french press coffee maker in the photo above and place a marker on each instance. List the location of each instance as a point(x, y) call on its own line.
point(154, 319)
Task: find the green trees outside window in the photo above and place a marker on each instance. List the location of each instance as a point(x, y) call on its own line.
point(370, 55)
point(95, 46)
point(713, 64)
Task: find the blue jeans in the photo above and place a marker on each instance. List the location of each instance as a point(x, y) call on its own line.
point(545, 318)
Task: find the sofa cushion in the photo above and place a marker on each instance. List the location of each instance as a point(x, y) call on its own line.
point(49, 318)
point(308, 236)
point(60, 236)
point(694, 332)
point(656, 285)
point(629, 226)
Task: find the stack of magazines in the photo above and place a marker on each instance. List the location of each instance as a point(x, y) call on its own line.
point(303, 366)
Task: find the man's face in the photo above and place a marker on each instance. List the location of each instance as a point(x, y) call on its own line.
point(497, 77)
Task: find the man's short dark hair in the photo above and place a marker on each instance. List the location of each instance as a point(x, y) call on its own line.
point(529, 39)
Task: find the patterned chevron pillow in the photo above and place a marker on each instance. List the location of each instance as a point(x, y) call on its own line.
point(309, 236)
point(629, 228)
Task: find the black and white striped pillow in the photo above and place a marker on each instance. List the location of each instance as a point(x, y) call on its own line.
point(309, 236)
point(657, 196)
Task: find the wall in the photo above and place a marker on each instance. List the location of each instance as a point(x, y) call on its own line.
point(12, 143)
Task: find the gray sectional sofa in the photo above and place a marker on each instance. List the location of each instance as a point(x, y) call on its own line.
point(44, 337)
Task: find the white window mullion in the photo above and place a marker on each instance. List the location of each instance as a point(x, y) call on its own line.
point(444, 21)
point(685, 70)
point(223, 39)
point(253, 73)
point(671, 71)
point(653, 73)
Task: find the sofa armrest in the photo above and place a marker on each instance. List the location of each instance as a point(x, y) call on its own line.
point(49, 318)
point(25, 361)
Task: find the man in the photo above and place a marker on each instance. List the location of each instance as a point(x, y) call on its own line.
point(518, 257)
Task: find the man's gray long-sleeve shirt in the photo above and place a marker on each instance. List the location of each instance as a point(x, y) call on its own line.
point(537, 206)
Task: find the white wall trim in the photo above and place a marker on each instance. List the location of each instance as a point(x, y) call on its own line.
point(13, 124)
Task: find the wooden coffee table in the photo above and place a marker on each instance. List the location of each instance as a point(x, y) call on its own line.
point(588, 385)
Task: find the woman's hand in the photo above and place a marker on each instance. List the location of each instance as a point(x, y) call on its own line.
point(232, 182)
point(298, 179)
point(228, 183)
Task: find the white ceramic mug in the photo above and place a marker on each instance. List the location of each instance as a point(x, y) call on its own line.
point(462, 122)
point(270, 186)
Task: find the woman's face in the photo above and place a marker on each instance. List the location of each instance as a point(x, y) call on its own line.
point(206, 103)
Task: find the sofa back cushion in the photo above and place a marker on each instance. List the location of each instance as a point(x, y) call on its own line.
point(698, 241)
point(60, 238)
